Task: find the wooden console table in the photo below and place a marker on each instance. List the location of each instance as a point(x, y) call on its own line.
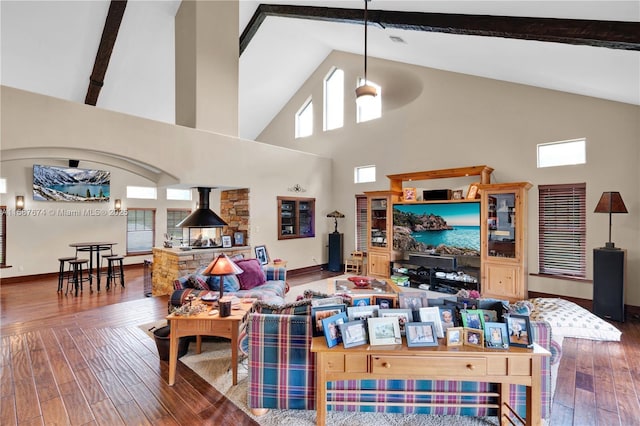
point(514, 366)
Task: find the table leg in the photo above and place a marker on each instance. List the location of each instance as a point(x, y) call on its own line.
point(321, 390)
point(534, 393)
point(98, 268)
point(90, 266)
point(198, 344)
point(173, 355)
point(234, 353)
point(503, 411)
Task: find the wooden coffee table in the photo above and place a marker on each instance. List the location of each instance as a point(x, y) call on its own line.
point(207, 325)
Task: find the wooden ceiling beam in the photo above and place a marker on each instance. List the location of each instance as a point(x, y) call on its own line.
point(609, 34)
point(108, 40)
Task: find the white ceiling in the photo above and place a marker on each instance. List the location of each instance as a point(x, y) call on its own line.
point(49, 47)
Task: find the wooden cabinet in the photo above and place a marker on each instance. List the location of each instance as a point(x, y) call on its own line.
point(379, 231)
point(296, 217)
point(504, 240)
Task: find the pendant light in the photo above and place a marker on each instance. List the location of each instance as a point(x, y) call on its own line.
point(366, 92)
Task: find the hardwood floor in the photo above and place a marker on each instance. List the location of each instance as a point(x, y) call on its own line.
point(84, 361)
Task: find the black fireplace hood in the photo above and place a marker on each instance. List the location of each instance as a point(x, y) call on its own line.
point(203, 216)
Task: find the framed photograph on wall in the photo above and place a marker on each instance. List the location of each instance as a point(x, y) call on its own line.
point(261, 254)
point(226, 241)
point(238, 238)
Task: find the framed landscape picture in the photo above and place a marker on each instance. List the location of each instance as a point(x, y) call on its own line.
point(384, 331)
point(404, 316)
point(455, 336)
point(362, 312)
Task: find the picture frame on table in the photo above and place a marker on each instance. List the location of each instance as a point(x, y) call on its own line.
point(354, 333)
point(409, 194)
point(432, 314)
point(404, 316)
point(355, 313)
point(454, 337)
point(226, 241)
point(472, 318)
point(334, 300)
point(238, 238)
point(472, 192)
point(262, 255)
point(473, 337)
point(496, 335)
point(384, 331)
point(360, 301)
point(447, 317)
point(421, 334)
point(457, 194)
point(385, 302)
point(331, 328)
point(413, 300)
point(318, 313)
point(519, 328)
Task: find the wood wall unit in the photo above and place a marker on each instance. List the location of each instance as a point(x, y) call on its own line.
point(504, 240)
point(483, 171)
point(380, 231)
point(296, 217)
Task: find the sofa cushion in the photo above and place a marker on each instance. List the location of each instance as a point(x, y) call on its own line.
point(197, 281)
point(230, 283)
point(301, 307)
point(252, 275)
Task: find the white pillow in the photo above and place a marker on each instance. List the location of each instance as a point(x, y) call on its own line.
point(570, 320)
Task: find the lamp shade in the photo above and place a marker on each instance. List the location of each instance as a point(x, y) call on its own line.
point(335, 213)
point(222, 265)
point(611, 202)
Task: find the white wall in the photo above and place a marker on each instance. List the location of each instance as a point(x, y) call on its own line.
point(40, 129)
point(436, 119)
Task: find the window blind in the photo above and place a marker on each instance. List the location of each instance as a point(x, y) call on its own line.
point(562, 229)
point(361, 223)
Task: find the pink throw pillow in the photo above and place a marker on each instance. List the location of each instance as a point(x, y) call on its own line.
point(253, 274)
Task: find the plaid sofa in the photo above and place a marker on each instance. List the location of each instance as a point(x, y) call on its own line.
point(282, 374)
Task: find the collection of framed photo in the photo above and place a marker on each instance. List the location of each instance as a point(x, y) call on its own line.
point(386, 323)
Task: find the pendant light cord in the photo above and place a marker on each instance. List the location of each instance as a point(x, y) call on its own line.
point(365, 42)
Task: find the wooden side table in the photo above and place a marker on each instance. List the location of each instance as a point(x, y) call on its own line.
point(204, 324)
point(517, 365)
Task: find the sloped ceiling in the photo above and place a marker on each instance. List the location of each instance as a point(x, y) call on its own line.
point(49, 47)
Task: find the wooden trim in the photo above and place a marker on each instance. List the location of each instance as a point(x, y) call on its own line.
point(307, 270)
point(562, 277)
point(483, 171)
point(54, 275)
point(621, 35)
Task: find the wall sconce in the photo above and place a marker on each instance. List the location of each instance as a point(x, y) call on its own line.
point(19, 202)
point(117, 205)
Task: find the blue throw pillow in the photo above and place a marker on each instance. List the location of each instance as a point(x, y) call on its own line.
point(230, 283)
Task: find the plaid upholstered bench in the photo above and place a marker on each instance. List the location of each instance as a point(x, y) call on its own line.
point(282, 373)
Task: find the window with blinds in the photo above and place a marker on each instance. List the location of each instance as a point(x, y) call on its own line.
point(361, 223)
point(562, 230)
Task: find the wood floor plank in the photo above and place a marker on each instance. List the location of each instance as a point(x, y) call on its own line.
point(565, 382)
point(603, 379)
point(131, 414)
point(106, 414)
point(54, 412)
point(90, 386)
point(116, 391)
point(27, 404)
point(78, 408)
point(584, 411)
point(8, 411)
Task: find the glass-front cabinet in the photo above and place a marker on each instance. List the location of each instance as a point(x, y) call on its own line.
point(296, 217)
point(379, 228)
point(504, 240)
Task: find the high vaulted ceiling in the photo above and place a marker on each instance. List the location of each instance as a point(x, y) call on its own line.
point(49, 47)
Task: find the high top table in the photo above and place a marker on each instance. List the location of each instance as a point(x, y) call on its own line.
point(94, 247)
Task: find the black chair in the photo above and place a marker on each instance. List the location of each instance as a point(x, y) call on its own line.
point(77, 266)
point(62, 274)
point(115, 269)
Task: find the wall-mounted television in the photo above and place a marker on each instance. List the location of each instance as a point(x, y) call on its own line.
point(51, 183)
point(437, 228)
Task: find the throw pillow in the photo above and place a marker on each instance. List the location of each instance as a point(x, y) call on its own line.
point(301, 307)
point(253, 274)
point(230, 283)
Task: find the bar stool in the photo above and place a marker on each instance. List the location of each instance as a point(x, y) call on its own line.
point(113, 262)
point(78, 278)
point(62, 274)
